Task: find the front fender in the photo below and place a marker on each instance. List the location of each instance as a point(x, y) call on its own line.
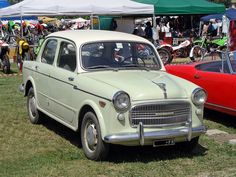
point(99, 115)
point(198, 42)
point(191, 52)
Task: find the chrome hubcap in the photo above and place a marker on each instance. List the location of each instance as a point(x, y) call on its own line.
point(91, 136)
point(164, 57)
point(32, 106)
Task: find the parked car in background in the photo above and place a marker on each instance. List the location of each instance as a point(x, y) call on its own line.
point(112, 88)
point(217, 77)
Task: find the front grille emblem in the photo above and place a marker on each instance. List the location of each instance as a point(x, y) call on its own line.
point(162, 114)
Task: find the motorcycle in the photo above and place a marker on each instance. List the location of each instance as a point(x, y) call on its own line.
point(204, 47)
point(4, 58)
point(181, 50)
point(38, 45)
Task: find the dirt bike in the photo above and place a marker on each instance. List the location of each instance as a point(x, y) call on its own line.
point(38, 45)
point(181, 50)
point(4, 58)
point(205, 47)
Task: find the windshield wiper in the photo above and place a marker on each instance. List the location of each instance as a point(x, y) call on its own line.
point(98, 67)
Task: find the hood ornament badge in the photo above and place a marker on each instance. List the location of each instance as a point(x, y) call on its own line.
point(162, 87)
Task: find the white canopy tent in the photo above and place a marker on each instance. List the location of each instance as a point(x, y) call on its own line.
point(76, 7)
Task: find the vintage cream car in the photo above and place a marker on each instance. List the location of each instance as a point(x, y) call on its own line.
point(112, 88)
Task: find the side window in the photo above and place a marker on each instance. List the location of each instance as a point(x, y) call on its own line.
point(67, 56)
point(49, 52)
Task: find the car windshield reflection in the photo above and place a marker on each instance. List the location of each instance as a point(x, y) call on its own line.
point(119, 55)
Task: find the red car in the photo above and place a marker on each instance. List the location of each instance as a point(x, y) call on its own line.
point(217, 77)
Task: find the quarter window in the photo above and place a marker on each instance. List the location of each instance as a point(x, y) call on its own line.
point(49, 52)
point(67, 56)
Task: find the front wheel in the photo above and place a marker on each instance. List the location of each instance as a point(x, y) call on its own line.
point(93, 146)
point(165, 56)
point(196, 53)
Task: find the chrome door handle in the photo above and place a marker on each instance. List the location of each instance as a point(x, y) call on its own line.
point(70, 78)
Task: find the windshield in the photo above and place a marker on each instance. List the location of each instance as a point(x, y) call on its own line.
point(119, 55)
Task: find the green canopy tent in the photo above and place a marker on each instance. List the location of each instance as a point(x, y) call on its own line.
point(181, 7)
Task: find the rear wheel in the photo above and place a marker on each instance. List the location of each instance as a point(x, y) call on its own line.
point(34, 114)
point(6, 64)
point(165, 56)
point(93, 146)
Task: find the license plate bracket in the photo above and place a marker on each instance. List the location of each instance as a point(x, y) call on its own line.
point(163, 142)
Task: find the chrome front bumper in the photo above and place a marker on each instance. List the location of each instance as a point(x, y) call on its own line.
point(141, 136)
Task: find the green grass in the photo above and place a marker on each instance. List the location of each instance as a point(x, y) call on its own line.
point(51, 149)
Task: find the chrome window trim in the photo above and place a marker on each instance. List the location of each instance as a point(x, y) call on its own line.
point(158, 60)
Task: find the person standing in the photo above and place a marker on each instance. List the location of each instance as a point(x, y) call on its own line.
point(148, 31)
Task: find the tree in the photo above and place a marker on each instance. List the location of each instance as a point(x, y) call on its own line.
point(227, 3)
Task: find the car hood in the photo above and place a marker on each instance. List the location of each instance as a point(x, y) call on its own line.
point(143, 85)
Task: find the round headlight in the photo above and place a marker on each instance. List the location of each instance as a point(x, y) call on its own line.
point(121, 101)
point(199, 96)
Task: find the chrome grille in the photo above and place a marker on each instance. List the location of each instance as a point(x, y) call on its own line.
point(160, 114)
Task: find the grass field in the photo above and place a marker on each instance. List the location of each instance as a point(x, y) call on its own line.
point(51, 149)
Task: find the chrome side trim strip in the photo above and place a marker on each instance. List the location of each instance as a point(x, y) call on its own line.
point(184, 132)
point(211, 104)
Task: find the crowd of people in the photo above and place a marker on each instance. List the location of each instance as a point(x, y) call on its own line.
point(213, 28)
point(175, 27)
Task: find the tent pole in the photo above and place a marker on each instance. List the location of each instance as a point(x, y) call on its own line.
point(91, 20)
point(200, 28)
point(191, 21)
point(2, 34)
point(154, 24)
point(21, 25)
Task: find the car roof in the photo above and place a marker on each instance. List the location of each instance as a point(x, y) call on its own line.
point(83, 36)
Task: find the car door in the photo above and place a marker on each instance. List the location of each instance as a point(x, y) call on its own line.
point(42, 74)
point(219, 83)
point(63, 76)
